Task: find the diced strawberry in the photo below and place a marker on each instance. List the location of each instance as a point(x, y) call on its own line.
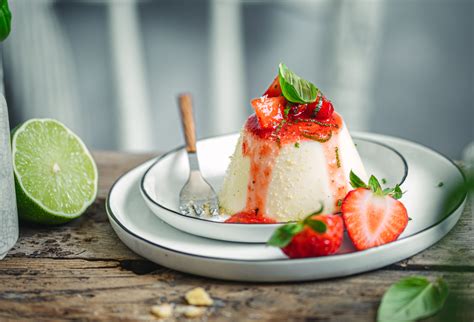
point(373, 219)
point(309, 243)
point(274, 90)
point(269, 110)
point(321, 109)
point(326, 110)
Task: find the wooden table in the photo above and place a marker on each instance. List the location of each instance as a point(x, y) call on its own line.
point(82, 271)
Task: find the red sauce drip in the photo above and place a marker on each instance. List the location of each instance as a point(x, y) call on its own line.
point(262, 155)
point(250, 217)
point(252, 125)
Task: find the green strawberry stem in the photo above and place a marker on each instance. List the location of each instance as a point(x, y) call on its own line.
point(284, 234)
point(375, 186)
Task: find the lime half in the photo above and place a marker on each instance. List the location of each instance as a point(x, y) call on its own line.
point(55, 174)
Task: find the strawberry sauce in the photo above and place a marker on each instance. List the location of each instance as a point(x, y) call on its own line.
point(294, 130)
point(250, 217)
point(262, 146)
point(262, 155)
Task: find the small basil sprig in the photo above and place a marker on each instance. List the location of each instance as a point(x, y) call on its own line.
point(412, 298)
point(375, 186)
point(5, 20)
point(284, 234)
point(294, 88)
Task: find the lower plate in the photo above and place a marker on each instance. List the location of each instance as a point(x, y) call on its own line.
point(155, 240)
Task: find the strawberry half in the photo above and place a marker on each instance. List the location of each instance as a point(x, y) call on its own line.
point(373, 216)
point(269, 110)
point(316, 235)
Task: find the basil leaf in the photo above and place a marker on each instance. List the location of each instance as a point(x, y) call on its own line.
point(316, 225)
point(412, 298)
point(374, 185)
point(356, 182)
point(283, 235)
point(5, 20)
point(294, 88)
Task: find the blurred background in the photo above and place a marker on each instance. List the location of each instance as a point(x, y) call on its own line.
point(111, 70)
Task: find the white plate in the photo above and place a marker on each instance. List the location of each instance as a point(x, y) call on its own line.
point(157, 241)
point(162, 183)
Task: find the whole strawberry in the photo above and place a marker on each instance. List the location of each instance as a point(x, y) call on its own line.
point(373, 216)
point(316, 235)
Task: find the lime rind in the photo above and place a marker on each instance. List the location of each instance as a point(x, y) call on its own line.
point(61, 143)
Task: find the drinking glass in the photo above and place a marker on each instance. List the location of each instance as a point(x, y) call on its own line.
point(8, 210)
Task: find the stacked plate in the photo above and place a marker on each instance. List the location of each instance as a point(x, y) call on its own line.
point(143, 209)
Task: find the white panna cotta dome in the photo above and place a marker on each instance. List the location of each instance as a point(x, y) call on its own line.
point(288, 178)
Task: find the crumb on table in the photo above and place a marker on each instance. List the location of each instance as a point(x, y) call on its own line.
point(198, 296)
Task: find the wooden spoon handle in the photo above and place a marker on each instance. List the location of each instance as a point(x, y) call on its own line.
point(187, 119)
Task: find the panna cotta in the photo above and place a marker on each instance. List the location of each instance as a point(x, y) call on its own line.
point(291, 159)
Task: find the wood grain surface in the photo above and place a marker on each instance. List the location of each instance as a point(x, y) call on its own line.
point(81, 271)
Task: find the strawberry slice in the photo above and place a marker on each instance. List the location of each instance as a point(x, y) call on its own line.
point(274, 90)
point(316, 235)
point(269, 110)
point(373, 216)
